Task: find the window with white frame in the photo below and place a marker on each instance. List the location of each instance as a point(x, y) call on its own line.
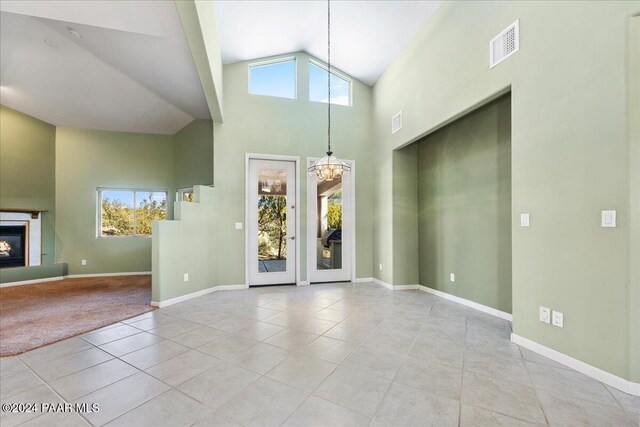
point(129, 212)
point(340, 85)
point(273, 78)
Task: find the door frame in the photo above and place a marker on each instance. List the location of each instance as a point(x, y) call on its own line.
point(311, 251)
point(247, 199)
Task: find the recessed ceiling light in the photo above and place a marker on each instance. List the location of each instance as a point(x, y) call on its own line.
point(74, 33)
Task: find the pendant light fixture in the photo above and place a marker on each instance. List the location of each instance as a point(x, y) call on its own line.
point(329, 168)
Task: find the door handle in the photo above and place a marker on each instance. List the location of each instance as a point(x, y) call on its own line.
point(292, 238)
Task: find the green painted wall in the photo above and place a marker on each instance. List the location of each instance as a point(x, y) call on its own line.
point(9, 275)
point(406, 256)
point(464, 179)
point(193, 154)
point(88, 159)
point(27, 170)
point(187, 245)
point(569, 155)
point(633, 122)
point(269, 125)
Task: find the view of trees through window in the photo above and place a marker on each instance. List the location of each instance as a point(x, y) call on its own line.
point(272, 227)
point(120, 218)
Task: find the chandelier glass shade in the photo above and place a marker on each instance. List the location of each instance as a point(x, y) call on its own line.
point(329, 168)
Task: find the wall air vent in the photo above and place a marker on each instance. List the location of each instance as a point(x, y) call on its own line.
point(396, 122)
point(504, 44)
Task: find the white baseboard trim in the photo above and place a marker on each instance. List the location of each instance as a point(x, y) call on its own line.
point(394, 287)
point(303, 283)
point(578, 365)
point(197, 294)
point(31, 282)
point(363, 280)
point(128, 273)
point(468, 303)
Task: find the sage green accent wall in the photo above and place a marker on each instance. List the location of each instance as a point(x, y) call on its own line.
point(405, 216)
point(294, 127)
point(569, 155)
point(464, 181)
point(88, 159)
point(199, 24)
point(193, 154)
point(186, 245)
point(633, 122)
point(10, 275)
point(27, 170)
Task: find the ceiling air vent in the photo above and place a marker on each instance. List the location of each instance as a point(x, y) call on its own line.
point(396, 122)
point(504, 44)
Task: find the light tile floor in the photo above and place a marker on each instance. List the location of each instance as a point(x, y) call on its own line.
point(321, 355)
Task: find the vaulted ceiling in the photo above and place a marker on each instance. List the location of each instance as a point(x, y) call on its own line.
point(365, 35)
point(112, 65)
point(126, 65)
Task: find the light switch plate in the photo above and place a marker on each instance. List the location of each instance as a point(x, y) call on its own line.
point(557, 319)
point(83, 262)
point(238, 226)
point(380, 267)
point(524, 220)
point(608, 219)
point(545, 315)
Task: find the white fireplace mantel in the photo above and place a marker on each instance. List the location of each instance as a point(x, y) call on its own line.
point(33, 221)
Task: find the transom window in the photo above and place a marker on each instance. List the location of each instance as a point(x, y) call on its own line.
point(340, 85)
point(273, 78)
point(185, 194)
point(126, 212)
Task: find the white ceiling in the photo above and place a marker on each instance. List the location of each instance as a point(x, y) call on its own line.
point(365, 35)
point(131, 69)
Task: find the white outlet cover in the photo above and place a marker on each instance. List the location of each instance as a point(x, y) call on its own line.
point(452, 277)
point(545, 315)
point(238, 226)
point(557, 319)
point(609, 219)
point(524, 220)
point(83, 262)
point(186, 277)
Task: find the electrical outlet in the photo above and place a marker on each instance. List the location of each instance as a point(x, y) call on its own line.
point(452, 277)
point(545, 315)
point(524, 220)
point(557, 319)
point(83, 262)
point(380, 267)
point(186, 277)
point(238, 226)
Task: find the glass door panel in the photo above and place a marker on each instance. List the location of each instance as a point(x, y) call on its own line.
point(272, 220)
point(271, 228)
point(329, 225)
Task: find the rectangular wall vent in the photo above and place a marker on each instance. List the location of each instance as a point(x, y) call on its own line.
point(504, 44)
point(396, 122)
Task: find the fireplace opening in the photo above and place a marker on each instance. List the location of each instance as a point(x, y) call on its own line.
point(12, 246)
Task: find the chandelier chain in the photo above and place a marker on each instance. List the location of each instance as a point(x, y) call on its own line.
point(329, 74)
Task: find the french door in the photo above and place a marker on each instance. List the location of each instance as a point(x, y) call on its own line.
point(330, 228)
point(272, 222)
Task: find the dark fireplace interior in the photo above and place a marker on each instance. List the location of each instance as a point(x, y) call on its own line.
point(12, 246)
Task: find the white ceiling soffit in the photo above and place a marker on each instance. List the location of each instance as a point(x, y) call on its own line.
point(366, 36)
point(129, 70)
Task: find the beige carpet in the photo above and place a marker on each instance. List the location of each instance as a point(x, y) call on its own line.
point(32, 316)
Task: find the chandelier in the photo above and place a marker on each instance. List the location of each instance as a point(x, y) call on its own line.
point(329, 167)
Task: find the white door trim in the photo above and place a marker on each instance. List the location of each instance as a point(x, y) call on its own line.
point(352, 219)
point(247, 245)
